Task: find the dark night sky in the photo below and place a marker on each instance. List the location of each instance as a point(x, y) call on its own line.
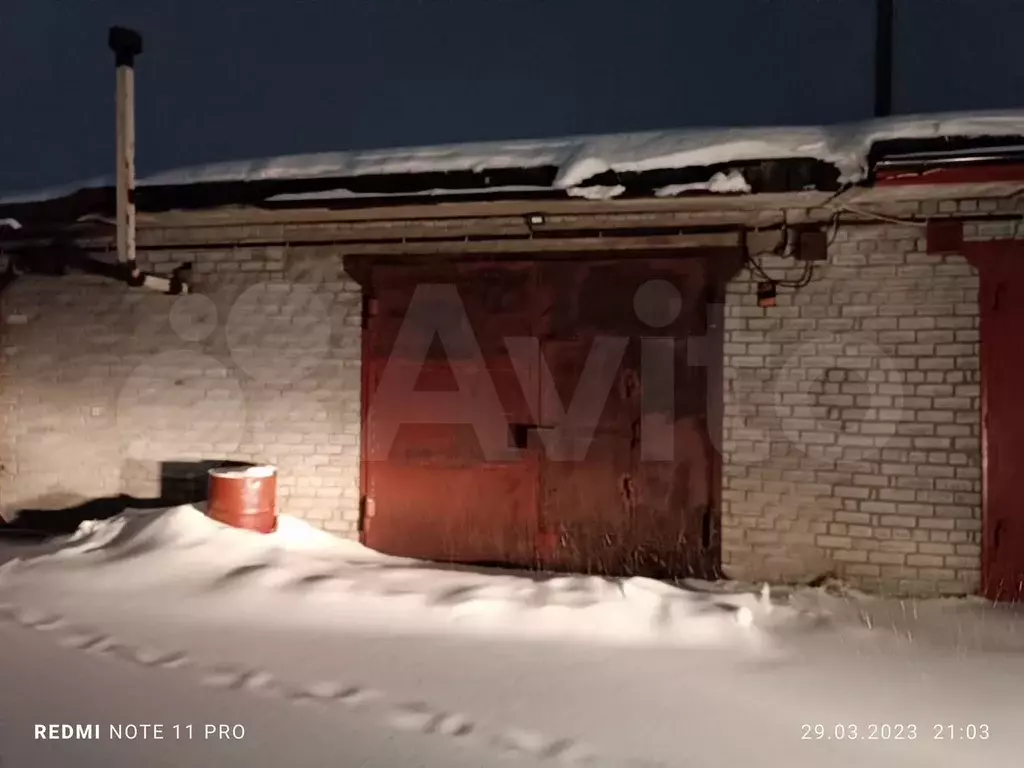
point(224, 79)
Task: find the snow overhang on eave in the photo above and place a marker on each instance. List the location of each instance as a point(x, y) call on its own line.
point(724, 163)
point(760, 177)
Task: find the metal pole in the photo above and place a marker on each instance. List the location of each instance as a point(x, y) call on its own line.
point(126, 44)
point(884, 23)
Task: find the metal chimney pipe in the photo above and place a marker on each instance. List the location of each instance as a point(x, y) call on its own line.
point(884, 23)
point(126, 45)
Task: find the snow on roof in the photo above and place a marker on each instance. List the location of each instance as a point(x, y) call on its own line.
point(347, 194)
point(580, 159)
point(732, 182)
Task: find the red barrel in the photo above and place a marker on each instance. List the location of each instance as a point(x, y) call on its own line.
point(244, 497)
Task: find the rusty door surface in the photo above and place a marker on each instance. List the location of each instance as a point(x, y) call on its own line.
point(1001, 299)
point(614, 507)
point(580, 494)
point(434, 493)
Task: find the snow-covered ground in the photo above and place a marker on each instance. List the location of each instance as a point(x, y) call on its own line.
point(327, 653)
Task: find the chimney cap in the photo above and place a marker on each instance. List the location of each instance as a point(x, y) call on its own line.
point(126, 43)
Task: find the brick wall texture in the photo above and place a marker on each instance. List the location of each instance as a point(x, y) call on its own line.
point(852, 419)
point(109, 390)
point(852, 409)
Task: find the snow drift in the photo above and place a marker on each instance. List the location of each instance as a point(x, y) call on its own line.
point(302, 575)
point(141, 604)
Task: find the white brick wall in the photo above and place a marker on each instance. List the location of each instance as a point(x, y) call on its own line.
point(852, 434)
point(102, 385)
point(852, 414)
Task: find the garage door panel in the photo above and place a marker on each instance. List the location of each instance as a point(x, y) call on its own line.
point(438, 445)
point(625, 397)
point(611, 399)
point(630, 515)
point(585, 505)
point(485, 516)
point(483, 290)
point(486, 338)
point(516, 390)
point(676, 530)
point(438, 493)
point(1001, 300)
point(619, 297)
point(615, 506)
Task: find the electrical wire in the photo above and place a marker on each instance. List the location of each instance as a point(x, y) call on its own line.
point(837, 209)
point(780, 250)
point(904, 222)
point(879, 217)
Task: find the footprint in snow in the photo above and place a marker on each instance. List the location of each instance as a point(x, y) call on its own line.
point(33, 619)
point(84, 640)
point(50, 624)
point(520, 741)
point(151, 657)
point(352, 696)
point(263, 684)
point(421, 719)
point(568, 752)
point(565, 751)
point(318, 692)
point(233, 678)
point(123, 652)
point(257, 682)
point(108, 646)
point(88, 640)
point(415, 717)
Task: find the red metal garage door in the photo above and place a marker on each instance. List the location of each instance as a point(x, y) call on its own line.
point(608, 508)
point(613, 510)
point(433, 491)
point(1001, 300)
